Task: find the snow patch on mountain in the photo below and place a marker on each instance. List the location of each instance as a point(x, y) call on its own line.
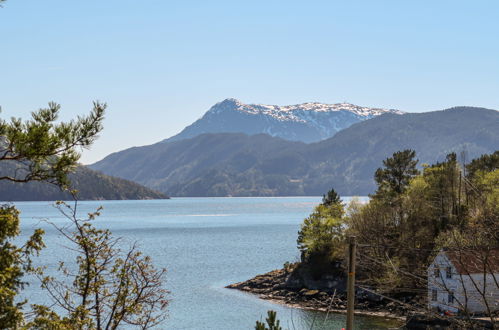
point(305, 112)
point(307, 122)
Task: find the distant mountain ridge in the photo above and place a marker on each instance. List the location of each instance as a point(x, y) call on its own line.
point(90, 184)
point(236, 164)
point(307, 122)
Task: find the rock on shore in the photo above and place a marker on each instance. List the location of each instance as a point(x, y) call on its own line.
point(296, 289)
point(274, 286)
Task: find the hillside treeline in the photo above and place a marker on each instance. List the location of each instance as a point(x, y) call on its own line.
point(412, 215)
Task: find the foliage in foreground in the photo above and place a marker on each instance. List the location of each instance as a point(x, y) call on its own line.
point(111, 285)
point(111, 288)
point(272, 323)
point(14, 263)
point(42, 149)
point(39, 150)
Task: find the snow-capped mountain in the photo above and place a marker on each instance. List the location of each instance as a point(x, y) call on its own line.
point(307, 122)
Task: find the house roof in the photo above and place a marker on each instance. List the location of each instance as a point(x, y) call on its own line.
point(474, 261)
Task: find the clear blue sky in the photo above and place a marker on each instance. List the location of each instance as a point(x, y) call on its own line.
point(161, 64)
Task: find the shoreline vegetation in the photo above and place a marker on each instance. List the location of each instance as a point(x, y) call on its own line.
point(413, 216)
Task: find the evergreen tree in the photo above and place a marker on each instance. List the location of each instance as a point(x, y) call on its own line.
point(330, 198)
point(485, 163)
point(272, 322)
point(393, 179)
point(41, 150)
point(14, 262)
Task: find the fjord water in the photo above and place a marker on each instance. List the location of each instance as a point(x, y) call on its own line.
point(205, 244)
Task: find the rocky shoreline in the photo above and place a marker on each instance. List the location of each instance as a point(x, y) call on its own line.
point(284, 286)
point(275, 286)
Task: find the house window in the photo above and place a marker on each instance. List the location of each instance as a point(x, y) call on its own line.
point(450, 299)
point(433, 295)
point(436, 273)
point(449, 272)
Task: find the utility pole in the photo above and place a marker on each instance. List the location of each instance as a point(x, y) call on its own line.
point(351, 282)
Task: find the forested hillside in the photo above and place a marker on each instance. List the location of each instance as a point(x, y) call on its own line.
point(350, 157)
point(260, 165)
point(91, 185)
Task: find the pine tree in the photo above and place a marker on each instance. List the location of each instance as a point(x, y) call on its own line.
point(272, 322)
point(393, 179)
point(35, 150)
point(331, 198)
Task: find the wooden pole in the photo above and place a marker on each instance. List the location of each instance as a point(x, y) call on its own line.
point(351, 282)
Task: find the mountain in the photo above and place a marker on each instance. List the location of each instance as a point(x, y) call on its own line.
point(235, 164)
point(164, 165)
point(91, 185)
point(355, 153)
point(307, 122)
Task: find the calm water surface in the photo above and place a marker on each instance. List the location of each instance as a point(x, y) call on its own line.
point(206, 244)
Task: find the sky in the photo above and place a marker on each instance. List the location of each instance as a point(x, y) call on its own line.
point(160, 64)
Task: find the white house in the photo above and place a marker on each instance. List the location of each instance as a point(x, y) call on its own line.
point(464, 280)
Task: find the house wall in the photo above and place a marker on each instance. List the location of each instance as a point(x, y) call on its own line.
point(466, 296)
point(476, 303)
point(443, 285)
